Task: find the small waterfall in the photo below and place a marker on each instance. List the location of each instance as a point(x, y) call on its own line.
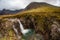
point(15, 29)
point(16, 32)
point(24, 31)
point(21, 26)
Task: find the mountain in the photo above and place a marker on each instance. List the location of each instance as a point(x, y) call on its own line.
point(5, 12)
point(34, 5)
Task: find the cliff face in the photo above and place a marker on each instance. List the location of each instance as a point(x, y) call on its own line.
point(47, 26)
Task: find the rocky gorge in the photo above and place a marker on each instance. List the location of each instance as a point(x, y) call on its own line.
point(47, 27)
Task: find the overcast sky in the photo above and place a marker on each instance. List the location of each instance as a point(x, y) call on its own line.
point(19, 4)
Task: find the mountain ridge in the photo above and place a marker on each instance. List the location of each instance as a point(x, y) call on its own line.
point(31, 6)
point(34, 5)
point(7, 12)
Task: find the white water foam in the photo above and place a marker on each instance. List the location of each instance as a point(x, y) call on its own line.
point(24, 31)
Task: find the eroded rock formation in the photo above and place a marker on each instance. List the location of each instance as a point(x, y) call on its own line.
point(49, 28)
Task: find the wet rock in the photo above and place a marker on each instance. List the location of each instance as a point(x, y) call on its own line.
point(55, 33)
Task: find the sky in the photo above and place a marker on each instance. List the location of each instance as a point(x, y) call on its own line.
point(21, 4)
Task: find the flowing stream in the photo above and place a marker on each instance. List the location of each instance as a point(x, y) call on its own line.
point(24, 31)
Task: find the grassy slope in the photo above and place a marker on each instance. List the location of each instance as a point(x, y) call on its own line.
point(47, 9)
point(38, 13)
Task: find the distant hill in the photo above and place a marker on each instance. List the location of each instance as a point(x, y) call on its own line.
point(42, 9)
point(5, 12)
point(34, 5)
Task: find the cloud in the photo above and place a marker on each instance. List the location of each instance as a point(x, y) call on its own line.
point(13, 4)
point(53, 2)
point(19, 4)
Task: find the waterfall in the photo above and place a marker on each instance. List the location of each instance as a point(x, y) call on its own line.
point(16, 32)
point(20, 24)
point(15, 29)
point(24, 31)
